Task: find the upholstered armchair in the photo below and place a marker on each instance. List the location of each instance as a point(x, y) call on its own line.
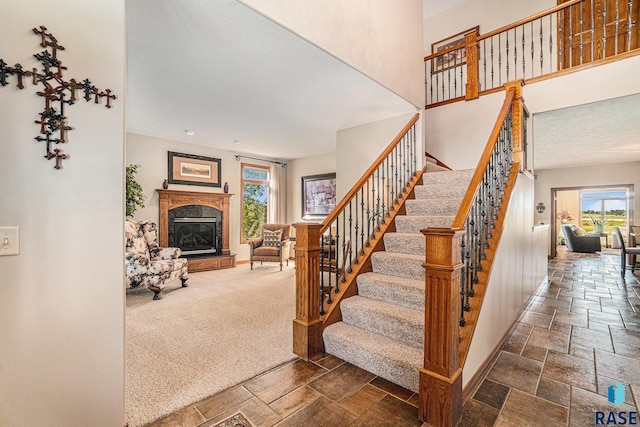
point(272, 245)
point(147, 264)
point(585, 244)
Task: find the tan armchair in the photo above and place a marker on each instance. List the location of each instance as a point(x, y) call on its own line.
point(271, 246)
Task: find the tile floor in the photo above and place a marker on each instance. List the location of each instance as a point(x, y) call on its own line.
point(578, 335)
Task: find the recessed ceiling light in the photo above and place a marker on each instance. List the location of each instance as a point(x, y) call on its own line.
point(236, 141)
point(189, 132)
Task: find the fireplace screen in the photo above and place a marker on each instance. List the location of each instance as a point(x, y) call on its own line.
point(195, 235)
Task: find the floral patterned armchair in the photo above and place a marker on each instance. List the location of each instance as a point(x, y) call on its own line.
point(147, 264)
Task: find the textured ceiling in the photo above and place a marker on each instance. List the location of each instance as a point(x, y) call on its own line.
point(590, 134)
point(222, 70)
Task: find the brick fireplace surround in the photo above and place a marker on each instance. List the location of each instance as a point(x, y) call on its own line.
point(172, 199)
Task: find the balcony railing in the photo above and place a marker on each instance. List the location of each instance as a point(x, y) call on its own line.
point(572, 35)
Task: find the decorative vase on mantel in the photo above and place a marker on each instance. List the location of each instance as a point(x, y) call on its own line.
point(165, 184)
point(226, 187)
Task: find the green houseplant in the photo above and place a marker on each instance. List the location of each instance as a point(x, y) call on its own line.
point(135, 196)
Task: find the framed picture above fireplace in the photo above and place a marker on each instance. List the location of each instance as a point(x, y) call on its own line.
point(190, 169)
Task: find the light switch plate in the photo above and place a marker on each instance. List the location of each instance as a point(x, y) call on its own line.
point(9, 241)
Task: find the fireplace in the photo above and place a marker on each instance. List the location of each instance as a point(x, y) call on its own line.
point(198, 224)
point(195, 236)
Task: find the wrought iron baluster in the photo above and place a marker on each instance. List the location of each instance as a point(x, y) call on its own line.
point(414, 150)
point(370, 215)
point(551, 41)
point(630, 24)
point(346, 268)
point(387, 193)
point(515, 53)
point(351, 261)
point(492, 72)
point(604, 30)
point(617, 23)
point(356, 229)
point(499, 62)
point(462, 86)
point(541, 49)
point(455, 77)
point(506, 57)
point(376, 218)
point(593, 33)
point(581, 32)
point(571, 36)
point(322, 290)
point(339, 265)
point(484, 62)
point(362, 228)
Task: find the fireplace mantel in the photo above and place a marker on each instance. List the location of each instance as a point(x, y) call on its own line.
point(171, 199)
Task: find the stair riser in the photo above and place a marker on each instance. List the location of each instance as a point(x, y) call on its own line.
point(459, 177)
point(434, 207)
point(384, 264)
point(403, 294)
point(410, 333)
point(405, 373)
point(405, 243)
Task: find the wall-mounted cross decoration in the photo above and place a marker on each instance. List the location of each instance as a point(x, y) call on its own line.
point(56, 92)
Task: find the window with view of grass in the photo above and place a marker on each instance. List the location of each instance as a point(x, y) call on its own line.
point(255, 199)
point(608, 207)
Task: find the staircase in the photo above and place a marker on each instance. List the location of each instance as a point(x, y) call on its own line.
point(382, 328)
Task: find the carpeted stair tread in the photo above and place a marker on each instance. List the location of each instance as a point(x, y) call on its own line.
point(402, 291)
point(413, 224)
point(406, 243)
point(432, 166)
point(383, 356)
point(448, 177)
point(396, 264)
point(438, 191)
point(400, 323)
point(432, 207)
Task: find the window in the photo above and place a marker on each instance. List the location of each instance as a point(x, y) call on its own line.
point(604, 205)
point(255, 199)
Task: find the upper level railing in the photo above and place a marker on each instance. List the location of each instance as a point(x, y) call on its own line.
point(330, 255)
point(568, 36)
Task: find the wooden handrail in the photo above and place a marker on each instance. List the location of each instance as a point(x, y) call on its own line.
point(529, 19)
point(465, 206)
point(366, 175)
point(445, 51)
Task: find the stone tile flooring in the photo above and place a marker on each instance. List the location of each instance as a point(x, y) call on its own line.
point(578, 335)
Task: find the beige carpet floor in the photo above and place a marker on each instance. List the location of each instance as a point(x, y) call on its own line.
point(226, 327)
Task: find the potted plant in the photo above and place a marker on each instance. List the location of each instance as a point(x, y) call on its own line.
point(564, 217)
point(598, 224)
point(134, 194)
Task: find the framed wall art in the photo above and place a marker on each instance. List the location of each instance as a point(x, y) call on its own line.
point(453, 58)
point(318, 195)
point(190, 169)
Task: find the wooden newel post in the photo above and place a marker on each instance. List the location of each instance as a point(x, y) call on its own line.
point(307, 326)
point(473, 86)
point(440, 394)
point(517, 120)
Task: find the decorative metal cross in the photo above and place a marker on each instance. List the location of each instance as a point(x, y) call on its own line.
point(54, 93)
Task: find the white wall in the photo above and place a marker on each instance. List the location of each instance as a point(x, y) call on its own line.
point(296, 169)
point(519, 266)
point(62, 316)
point(456, 134)
point(359, 146)
point(151, 154)
point(615, 174)
point(381, 39)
